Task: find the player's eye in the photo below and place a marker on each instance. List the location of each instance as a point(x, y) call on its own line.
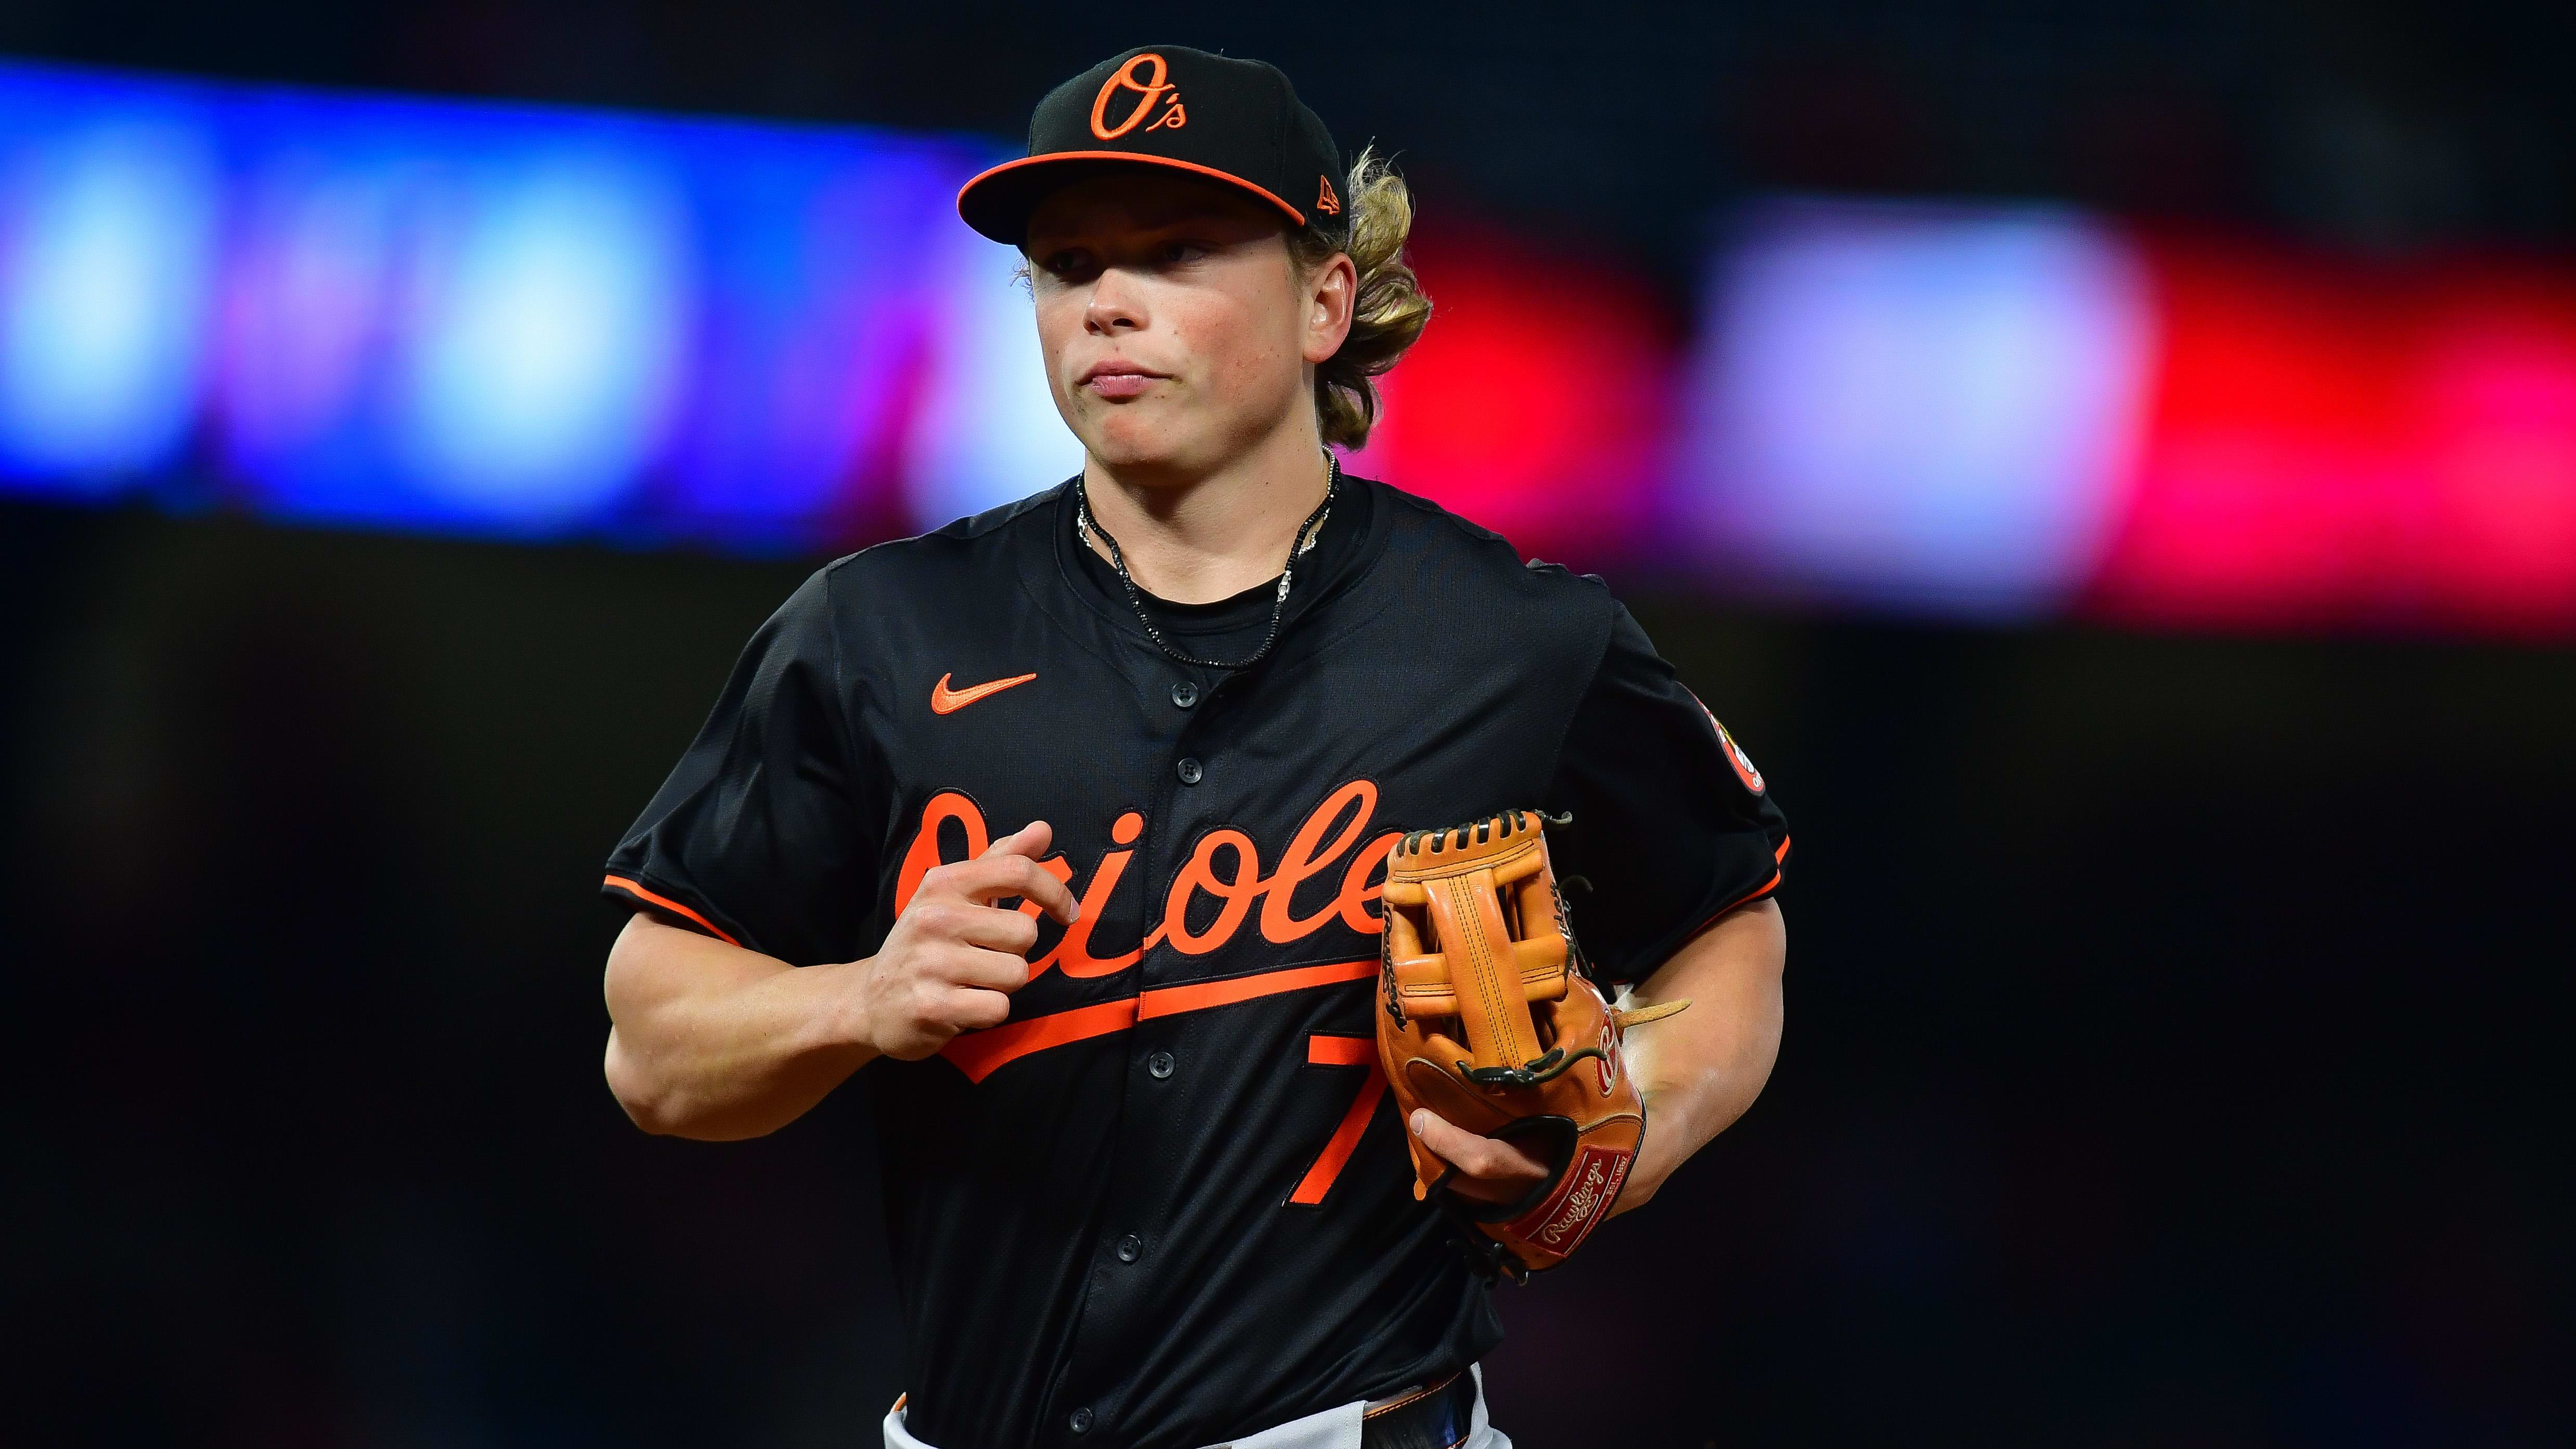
point(1068, 264)
point(1180, 252)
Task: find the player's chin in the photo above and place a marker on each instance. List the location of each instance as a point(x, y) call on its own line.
point(1141, 434)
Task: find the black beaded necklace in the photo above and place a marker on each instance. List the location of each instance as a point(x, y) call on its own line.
point(1084, 523)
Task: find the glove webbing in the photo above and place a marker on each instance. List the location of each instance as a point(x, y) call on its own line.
point(1484, 971)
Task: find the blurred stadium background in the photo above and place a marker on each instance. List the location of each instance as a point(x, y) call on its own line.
point(2114, 463)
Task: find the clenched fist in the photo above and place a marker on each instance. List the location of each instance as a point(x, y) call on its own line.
point(953, 958)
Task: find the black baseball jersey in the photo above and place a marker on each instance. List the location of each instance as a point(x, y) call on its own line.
point(1168, 1202)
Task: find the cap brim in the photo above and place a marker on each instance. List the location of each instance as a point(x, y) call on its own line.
point(999, 202)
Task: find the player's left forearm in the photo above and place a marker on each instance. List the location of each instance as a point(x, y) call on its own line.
point(1701, 1069)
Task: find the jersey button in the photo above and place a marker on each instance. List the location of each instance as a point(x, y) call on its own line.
point(1185, 694)
point(1130, 1248)
point(1159, 1065)
point(1080, 1423)
point(1190, 772)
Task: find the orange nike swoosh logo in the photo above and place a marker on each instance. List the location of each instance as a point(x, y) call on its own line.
point(944, 700)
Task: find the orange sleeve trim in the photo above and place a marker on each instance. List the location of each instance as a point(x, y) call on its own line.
point(1779, 856)
point(979, 1054)
point(1173, 1000)
point(668, 904)
point(1341, 1051)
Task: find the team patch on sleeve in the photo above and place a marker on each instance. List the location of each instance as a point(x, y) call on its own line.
point(1735, 755)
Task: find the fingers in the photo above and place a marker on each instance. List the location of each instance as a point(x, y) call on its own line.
point(1008, 869)
point(954, 956)
point(975, 1010)
point(966, 923)
point(938, 1018)
point(947, 955)
point(959, 965)
point(997, 971)
point(1485, 1159)
point(917, 1012)
point(1030, 840)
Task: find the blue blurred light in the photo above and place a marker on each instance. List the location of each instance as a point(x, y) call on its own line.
point(105, 278)
point(518, 321)
point(549, 327)
point(1916, 405)
point(989, 431)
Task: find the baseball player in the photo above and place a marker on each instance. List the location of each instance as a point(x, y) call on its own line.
point(1065, 830)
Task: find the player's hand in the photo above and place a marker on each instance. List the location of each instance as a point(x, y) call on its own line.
point(1489, 1169)
point(953, 958)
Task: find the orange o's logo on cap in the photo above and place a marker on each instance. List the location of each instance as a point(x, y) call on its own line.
point(1150, 78)
point(1325, 201)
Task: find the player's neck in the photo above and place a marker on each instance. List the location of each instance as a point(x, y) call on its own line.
point(1212, 535)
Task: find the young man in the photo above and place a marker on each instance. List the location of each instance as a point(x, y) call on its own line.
point(1072, 816)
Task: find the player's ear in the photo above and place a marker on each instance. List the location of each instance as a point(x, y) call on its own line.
point(1331, 290)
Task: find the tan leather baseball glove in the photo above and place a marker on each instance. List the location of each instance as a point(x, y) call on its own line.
point(1490, 1018)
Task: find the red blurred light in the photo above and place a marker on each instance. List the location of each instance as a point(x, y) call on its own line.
point(1536, 400)
point(2339, 444)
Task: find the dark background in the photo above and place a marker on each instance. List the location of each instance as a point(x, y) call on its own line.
point(2171, 1020)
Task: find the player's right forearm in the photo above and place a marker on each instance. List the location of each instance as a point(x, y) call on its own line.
point(712, 1041)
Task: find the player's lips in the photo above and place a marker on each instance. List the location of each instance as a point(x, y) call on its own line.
point(1120, 379)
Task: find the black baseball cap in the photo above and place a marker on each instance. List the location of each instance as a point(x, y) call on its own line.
point(1238, 122)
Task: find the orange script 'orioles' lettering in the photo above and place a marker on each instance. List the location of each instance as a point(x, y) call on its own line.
point(1225, 865)
point(1150, 89)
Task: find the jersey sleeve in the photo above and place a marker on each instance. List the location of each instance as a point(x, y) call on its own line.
point(759, 836)
point(1673, 826)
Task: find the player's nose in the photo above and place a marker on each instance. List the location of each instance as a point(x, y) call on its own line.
point(1117, 304)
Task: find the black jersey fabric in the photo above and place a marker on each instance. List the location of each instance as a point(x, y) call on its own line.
point(1231, 630)
point(1169, 1200)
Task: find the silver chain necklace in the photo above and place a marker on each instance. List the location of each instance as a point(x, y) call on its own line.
point(1083, 523)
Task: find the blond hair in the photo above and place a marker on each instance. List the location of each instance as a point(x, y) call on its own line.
point(1388, 309)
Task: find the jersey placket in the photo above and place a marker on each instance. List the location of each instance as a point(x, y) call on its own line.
point(1131, 1249)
